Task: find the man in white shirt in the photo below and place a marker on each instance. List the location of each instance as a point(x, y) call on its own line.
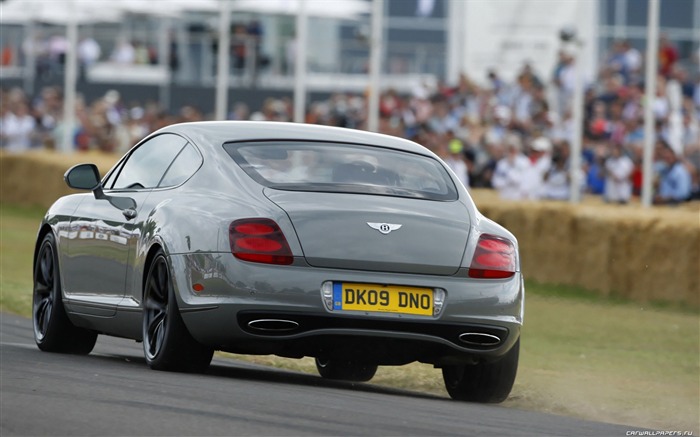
point(618, 172)
point(17, 128)
point(540, 161)
point(510, 170)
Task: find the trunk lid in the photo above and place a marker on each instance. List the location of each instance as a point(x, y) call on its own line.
point(361, 232)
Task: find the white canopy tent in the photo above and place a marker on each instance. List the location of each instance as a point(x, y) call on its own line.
point(345, 9)
point(59, 12)
point(302, 9)
point(72, 13)
point(171, 8)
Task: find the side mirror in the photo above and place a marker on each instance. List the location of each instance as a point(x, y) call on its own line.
point(83, 177)
point(87, 177)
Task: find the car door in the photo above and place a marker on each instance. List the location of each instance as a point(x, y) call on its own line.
point(186, 164)
point(97, 263)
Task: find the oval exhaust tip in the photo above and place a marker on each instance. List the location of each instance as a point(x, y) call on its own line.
point(479, 339)
point(276, 325)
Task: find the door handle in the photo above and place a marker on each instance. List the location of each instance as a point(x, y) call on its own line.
point(129, 213)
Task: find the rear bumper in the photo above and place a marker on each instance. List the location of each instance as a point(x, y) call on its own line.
point(262, 309)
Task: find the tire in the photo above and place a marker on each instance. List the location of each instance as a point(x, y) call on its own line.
point(53, 331)
point(345, 370)
point(483, 382)
point(167, 345)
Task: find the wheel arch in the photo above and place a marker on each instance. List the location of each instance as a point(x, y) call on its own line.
point(150, 256)
point(43, 231)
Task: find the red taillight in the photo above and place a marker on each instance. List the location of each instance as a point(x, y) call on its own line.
point(259, 240)
point(494, 258)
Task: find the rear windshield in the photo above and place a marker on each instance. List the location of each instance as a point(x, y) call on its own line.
point(343, 168)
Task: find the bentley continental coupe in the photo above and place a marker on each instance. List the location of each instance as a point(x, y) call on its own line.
point(354, 248)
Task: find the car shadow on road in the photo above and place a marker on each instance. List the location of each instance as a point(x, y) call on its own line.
point(235, 369)
point(240, 370)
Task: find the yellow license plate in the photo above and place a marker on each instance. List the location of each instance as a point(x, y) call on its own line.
point(350, 296)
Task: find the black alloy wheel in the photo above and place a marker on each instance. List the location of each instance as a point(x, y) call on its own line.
point(487, 382)
point(167, 344)
point(53, 331)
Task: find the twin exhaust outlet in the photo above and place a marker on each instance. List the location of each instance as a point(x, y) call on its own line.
point(480, 339)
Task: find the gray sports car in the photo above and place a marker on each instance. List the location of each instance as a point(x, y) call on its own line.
point(354, 248)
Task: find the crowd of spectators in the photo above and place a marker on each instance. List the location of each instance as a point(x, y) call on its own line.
point(511, 136)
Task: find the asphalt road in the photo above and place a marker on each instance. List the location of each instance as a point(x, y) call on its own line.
point(113, 392)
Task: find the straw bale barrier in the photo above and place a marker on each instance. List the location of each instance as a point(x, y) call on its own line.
point(647, 255)
point(628, 251)
point(36, 178)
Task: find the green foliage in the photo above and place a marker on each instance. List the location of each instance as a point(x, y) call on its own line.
point(18, 229)
point(583, 295)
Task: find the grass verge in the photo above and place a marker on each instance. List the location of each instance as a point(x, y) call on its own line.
point(582, 355)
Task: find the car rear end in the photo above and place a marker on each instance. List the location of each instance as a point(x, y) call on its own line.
point(354, 249)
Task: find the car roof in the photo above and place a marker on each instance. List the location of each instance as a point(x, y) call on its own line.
point(215, 133)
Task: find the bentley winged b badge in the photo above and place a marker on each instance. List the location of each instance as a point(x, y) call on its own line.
point(384, 228)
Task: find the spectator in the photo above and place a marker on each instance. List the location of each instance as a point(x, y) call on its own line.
point(239, 46)
point(522, 103)
point(37, 47)
point(598, 126)
point(8, 57)
point(17, 127)
point(618, 173)
point(692, 156)
point(540, 163)
point(173, 53)
point(58, 45)
point(123, 53)
point(498, 130)
point(89, 52)
point(255, 33)
point(668, 56)
point(674, 178)
point(617, 59)
point(556, 180)
point(511, 170)
point(141, 55)
point(595, 176)
point(484, 170)
point(633, 61)
point(564, 80)
point(454, 159)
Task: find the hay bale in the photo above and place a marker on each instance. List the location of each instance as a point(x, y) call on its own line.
point(674, 264)
point(644, 254)
point(554, 236)
point(628, 261)
point(36, 178)
point(590, 251)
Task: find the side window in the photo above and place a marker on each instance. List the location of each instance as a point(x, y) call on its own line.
point(145, 167)
point(184, 166)
point(107, 185)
